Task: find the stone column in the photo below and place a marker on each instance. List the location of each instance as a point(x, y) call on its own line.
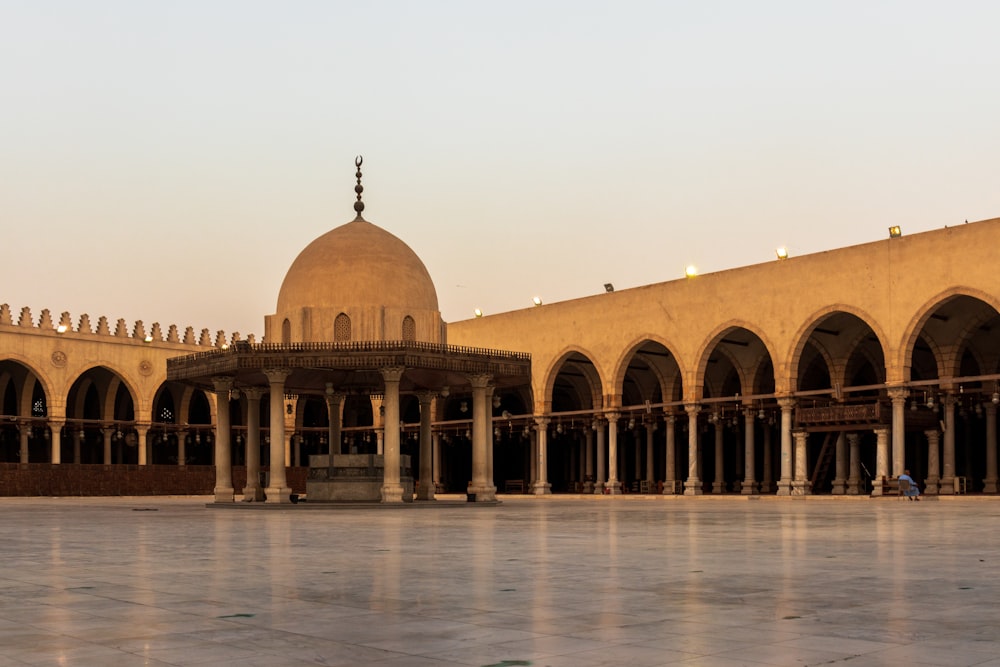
point(588, 445)
point(108, 434)
point(182, 447)
point(718, 481)
point(801, 485)
point(670, 478)
point(881, 460)
point(335, 421)
point(602, 458)
point(533, 455)
point(749, 487)
point(990, 483)
point(77, 438)
point(392, 489)
point(785, 483)
point(541, 486)
point(491, 484)
point(277, 490)
point(947, 483)
point(25, 433)
point(426, 489)
point(56, 426)
point(933, 481)
point(650, 457)
point(224, 492)
point(854, 468)
point(253, 492)
point(692, 485)
point(898, 397)
point(840, 463)
point(613, 487)
point(143, 445)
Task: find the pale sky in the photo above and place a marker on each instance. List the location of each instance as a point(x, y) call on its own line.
point(166, 161)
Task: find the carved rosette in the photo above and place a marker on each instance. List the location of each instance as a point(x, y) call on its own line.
point(145, 367)
point(59, 359)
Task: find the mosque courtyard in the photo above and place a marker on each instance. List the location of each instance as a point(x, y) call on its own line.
point(581, 582)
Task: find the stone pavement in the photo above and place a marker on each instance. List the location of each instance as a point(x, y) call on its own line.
point(559, 582)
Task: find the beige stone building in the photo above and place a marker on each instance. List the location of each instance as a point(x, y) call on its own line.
point(829, 373)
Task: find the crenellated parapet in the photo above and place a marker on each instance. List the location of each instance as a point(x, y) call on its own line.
point(138, 330)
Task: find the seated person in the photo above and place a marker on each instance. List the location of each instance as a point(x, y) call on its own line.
point(911, 493)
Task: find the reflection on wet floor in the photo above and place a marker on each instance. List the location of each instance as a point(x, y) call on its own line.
point(530, 582)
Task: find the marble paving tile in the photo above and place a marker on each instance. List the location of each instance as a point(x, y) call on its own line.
point(587, 583)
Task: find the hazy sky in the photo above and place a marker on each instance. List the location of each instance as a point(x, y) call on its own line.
point(166, 161)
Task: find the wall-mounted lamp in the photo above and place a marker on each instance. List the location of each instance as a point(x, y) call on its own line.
point(608, 287)
point(691, 271)
point(895, 232)
point(62, 328)
point(148, 339)
point(477, 312)
point(537, 301)
point(781, 252)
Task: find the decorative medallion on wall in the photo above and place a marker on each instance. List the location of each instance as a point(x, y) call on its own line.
point(145, 367)
point(58, 358)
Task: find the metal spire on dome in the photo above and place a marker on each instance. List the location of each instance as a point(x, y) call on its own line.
point(359, 205)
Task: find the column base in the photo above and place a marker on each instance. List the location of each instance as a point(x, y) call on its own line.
point(598, 488)
point(946, 486)
point(801, 488)
point(425, 492)
point(541, 489)
point(853, 487)
point(692, 487)
point(253, 494)
point(718, 487)
point(932, 488)
point(839, 487)
point(613, 488)
point(784, 487)
point(225, 494)
point(990, 486)
point(670, 487)
point(278, 496)
point(877, 488)
point(392, 493)
point(588, 487)
point(749, 488)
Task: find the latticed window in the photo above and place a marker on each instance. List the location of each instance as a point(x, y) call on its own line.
point(286, 332)
point(38, 408)
point(342, 329)
point(409, 328)
point(167, 415)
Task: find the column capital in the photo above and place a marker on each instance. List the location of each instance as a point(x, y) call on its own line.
point(222, 383)
point(932, 434)
point(480, 380)
point(989, 407)
point(426, 397)
point(392, 373)
point(542, 422)
point(898, 393)
point(853, 438)
point(277, 375)
point(692, 409)
point(670, 419)
point(253, 393)
point(787, 402)
point(881, 430)
point(612, 416)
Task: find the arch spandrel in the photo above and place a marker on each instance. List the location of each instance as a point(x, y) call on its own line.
point(904, 353)
point(804, 333)
point(596, 378)
point(694, 388)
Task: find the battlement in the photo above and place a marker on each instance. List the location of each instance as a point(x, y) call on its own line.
point(103, 328)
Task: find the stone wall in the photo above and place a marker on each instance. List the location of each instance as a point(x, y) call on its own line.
point(44, 479)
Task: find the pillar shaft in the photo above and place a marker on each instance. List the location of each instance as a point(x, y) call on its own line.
point(933, 481)
point(749, 455)
point(785, 481)
point(253, 492)
point(541, 486)
point(392, 489)
point(990, 483)
point(277, 490)
point(692, 485)
point(613, 486)
point(947, 484)
point(881, 460)
point(718, 479)
point(426, 476)
point(854, 480)
point(223, 450)
point(898, 397)
point(602, 457)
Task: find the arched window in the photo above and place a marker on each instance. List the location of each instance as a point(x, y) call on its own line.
point(286, 332)
point(409, 328)
point(342, 329)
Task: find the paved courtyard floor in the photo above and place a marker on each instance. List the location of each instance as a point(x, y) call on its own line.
point(605, 581)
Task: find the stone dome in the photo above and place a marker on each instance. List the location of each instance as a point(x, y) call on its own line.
point(361, 270)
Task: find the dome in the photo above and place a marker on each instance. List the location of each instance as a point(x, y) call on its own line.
point(357, 265)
